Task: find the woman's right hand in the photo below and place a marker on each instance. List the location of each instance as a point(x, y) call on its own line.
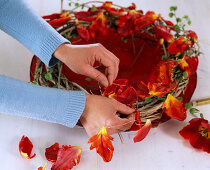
point(102, 111)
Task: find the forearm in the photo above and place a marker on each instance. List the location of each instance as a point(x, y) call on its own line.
point(48, 104)
point(21, 22)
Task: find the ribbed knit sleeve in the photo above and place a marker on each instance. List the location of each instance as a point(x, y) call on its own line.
point(42, 103)
point(21, 22)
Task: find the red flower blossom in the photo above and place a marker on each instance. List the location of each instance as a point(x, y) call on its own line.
point(122, 92)
point(188, 64)
point(98, 26)
point(178, 46)
point(103, 144)
point(83, 33)
point(174, 108)
point(163, 32)
point(160, 81)
point(68, 156)
point(145, 20)
point(141, 89)
point(133, 6)
point(126, 23)
point(25, 148)
point(143, 132)
point(192, 36)
point(51, 152)
point(198, 134)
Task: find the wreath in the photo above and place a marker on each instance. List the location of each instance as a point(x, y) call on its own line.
point(158, 63)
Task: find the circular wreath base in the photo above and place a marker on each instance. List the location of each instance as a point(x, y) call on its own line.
point(137, 57)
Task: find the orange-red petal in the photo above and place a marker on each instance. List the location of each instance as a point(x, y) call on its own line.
point(143, 132)
point(103, 144)
point(42, 167)
point(25, 148)
point(51, 152)
point(174, 108)
point(178, 46)
point(68, 156)
point(163, 32)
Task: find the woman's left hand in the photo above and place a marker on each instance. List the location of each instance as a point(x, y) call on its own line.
point(81, 58)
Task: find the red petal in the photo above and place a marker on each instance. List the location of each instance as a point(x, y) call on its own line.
point(174, 108)
point(142, 133)
point(133, 6)
point(25, 148)
point(137, 124)
point(103, 144)
point(193, 35)
point(163, 32)
point(68, 156)
point(86, 15)
point(59, 22)
point(178, 46)
point(141, 89)
point(83, 33)
point(52, 16)
point(42, 168)
point(51, 152)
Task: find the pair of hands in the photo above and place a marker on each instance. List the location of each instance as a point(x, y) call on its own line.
point(99, 111)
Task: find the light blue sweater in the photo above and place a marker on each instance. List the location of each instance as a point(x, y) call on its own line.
point(28, 100)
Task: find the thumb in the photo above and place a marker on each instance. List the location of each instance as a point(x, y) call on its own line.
point(122, 108)
point(97, 75)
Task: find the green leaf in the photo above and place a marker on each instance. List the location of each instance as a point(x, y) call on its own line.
point(83, 6)
point(76, 4)
point(193, 110)
point(35, 82)
point(161, 98)
point(88, 79)
point(188, 106)
point(189, 22)
point(171, 14)
point(177, 28)
point(180, 98)
point(50, 70)
point(74, 35)
point(173, 8)
point(37, 70)
point(164, 57)
point(48, 76)
point(124, 39)
point(178, 20)
point(148, 99)
point(185, 17)
point(184, 75)
point(201, 115)
point(178, 54)
point(69, 3)
point(93, 9)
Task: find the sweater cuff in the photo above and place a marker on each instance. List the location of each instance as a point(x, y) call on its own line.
point(75, 106)
point(51, 43)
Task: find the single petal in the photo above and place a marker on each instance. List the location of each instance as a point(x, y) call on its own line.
point(68, 156)
point(42, 168)
point(174, 108)
point(25, 148)
point(83, 33)
point(52, 16)
point(178, 46)
point(59, 22)
point(192, 36)
point(103, 144)
point(51, 152)
point(86, 15)
point(163, 32)
point(137, 124)
point(143, 132)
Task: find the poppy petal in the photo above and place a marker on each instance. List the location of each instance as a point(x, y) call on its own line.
point(51, 152)
point(25, 148)
point(174, 108)
point(68, 156)
point(143, 132)
point(103, 144)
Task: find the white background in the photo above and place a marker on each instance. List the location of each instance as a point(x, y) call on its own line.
point(163, 149)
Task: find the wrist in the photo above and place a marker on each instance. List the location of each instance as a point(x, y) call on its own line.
point(61, 52)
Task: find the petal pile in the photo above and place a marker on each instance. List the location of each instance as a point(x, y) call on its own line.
point(103, 144)
point(25, 148)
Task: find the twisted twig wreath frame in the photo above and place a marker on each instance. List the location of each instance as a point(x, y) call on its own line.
point(184, 44)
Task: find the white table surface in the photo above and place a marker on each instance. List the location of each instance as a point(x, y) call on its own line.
point(163, 148)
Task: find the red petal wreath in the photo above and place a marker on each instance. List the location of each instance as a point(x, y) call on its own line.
point(158, 63)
